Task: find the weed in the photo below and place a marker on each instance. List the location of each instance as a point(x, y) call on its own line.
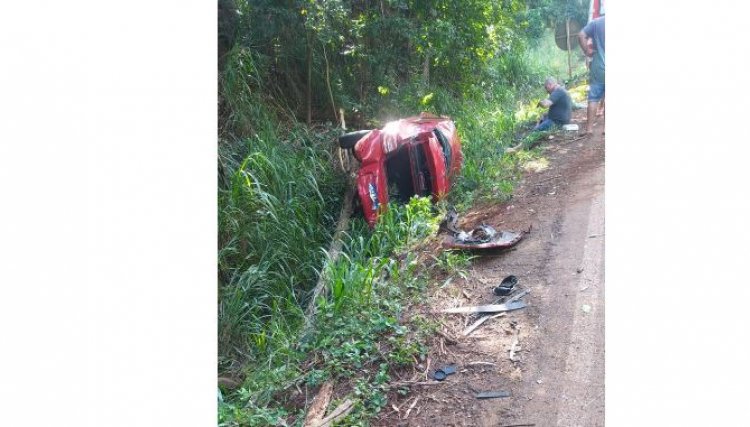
point(453, 263)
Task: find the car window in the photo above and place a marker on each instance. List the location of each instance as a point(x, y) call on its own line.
point(446, 148)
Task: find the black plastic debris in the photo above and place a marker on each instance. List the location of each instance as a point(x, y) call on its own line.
point(492, 394)
point(506, 286)
point(442, 373)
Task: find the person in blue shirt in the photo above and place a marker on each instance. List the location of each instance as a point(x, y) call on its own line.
point(591, 39)
point(559, 104)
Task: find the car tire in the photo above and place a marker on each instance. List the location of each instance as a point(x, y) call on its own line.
point(348, 140)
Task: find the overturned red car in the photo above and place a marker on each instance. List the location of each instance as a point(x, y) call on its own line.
point(418, 155)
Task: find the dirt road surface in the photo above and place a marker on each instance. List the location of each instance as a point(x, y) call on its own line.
point(556, 377)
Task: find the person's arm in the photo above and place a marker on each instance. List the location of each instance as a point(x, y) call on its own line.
point(551, 100)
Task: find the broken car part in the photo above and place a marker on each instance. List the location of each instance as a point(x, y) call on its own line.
point(491, 308)
point(442, 373)
point(506, 286)
point(492, 394)
point(481, 237)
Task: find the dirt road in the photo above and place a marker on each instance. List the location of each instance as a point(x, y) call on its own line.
point(556, 377)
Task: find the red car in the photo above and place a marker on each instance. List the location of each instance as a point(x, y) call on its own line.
point(418, 155)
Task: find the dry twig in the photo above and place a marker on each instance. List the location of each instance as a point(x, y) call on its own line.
point(340, 412)
point(319, 405)
point(413, 404)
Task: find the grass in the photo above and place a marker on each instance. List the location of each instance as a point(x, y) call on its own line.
point(358, 337)
point(281, 194)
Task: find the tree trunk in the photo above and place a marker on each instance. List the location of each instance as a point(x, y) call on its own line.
point(309, 79)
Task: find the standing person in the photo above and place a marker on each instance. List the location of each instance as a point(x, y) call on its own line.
point(559, 104)
point(594, 32)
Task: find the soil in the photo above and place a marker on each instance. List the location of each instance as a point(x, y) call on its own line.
point(557, 375)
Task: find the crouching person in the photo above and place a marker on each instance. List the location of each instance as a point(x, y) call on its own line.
point(559, 104)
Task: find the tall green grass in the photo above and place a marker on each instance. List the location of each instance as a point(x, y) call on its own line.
point(358, 335)
point(280, 208)
point(277, 206)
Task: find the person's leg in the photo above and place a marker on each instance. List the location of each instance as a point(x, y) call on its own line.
point(544, 125)
point(596, 93)
point(600, 110)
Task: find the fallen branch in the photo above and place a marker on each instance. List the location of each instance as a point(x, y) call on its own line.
point(414, 383)
point(332, 255)
point(319, 405)
point(449, 339)
point(480, 363)
point(519, 296)
point(413, 404)
point(479, 322)
point(340, 412)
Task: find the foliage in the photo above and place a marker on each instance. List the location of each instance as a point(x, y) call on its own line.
point(453, 262)
point(279, 195)
point(364, 56)
point(545, 14)
point(358, 336)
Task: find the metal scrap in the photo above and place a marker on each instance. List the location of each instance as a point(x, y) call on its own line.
point(479, 322)
point(481, 237)
point(491, 308)
point(481, 234)
point(492, 394)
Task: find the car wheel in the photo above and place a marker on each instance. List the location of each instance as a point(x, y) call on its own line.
point(348, 140)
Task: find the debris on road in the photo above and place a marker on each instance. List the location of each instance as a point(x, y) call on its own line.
point(483, 239)
point(471, 328)
point(492, 394)
point(586, 308)
point(479, 322)
point(491, 308)
point(442, 373)
point(479, 363)
point(520, 295)
point(506, 286)
point(480, 237)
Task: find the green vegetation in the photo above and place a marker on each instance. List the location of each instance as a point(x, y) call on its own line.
point(285, 71)
point(358, 336)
